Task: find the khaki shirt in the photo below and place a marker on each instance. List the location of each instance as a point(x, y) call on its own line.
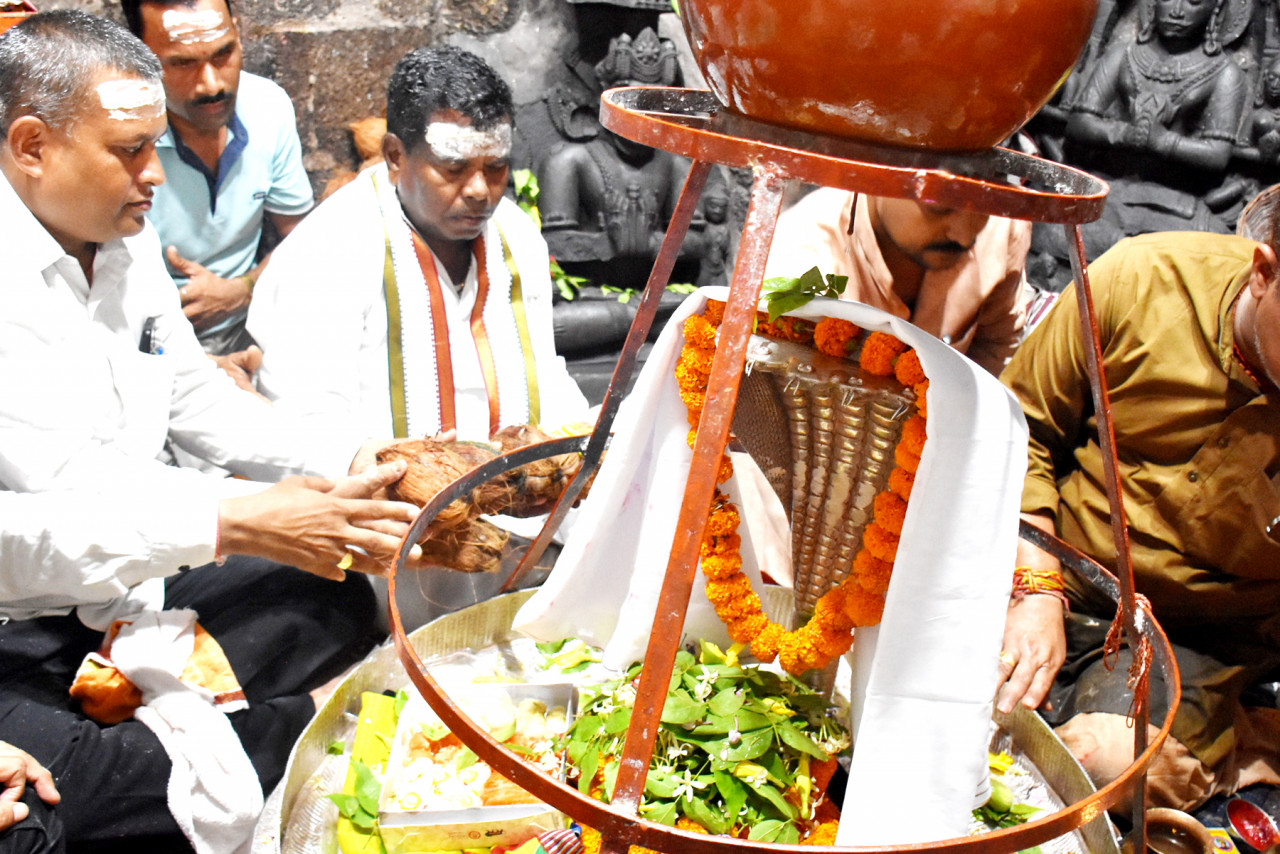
point(976, 305)
point(1198, 443)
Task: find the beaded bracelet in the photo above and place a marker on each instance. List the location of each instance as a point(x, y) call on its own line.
point(1028, 581)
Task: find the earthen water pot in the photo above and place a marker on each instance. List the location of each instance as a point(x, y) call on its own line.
point(951, 75)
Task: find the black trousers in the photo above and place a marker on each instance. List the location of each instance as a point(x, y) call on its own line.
point(284, 632)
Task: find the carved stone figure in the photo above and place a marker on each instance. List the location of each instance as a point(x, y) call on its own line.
point(717, 239)
point(1172, 91)
point(1265, 125)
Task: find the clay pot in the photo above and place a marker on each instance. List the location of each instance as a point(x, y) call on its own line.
point(952, 75)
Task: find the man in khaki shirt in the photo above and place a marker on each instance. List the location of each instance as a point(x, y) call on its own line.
point(956, 274)
point(1187, 324)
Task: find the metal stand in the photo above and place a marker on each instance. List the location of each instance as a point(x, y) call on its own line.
point(996, 182)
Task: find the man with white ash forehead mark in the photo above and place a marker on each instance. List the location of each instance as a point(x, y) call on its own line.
point(232, 160)
point(100, 375)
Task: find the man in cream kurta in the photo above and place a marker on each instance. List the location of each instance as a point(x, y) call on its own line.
point(955, 274)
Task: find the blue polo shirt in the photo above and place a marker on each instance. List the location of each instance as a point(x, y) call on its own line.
point(216, 219)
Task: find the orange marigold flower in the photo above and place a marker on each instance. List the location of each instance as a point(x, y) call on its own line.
point(744, 630)
point(890, 510)
point(697, 359)
point(722, 521)
point(865, 609)
point(901, 481)
point(688, 379)
point(905, 459)
point(765, 645)
point(693, 399)
point(765, 328)
point(824, 834)
point(726, 545)
point(913, 434)
point(699, 332)
point(828, 612)
point(880, 542)
point(878, 353)
point(690, 825)
point(724, 590)
point(834, 336)
point(922, 391)
point(726, 469)
point(869, 573)
point(720, 567)
point(695, 418)
point(714, 312)
point(833, 644)
point(907, 369)
point(693, 434)
point(591, 840)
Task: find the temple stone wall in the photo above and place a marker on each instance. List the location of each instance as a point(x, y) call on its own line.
point(333, 57)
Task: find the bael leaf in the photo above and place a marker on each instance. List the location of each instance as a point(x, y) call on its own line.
point(617, 721)
point(363, 820)
point(550, 647)
point(659, 785)
point(368, 789)
point(347, 804)
point(680, 708)
point(772, 830)
point(752, 745)
point(402, 697)
point(662, 812)
point(793, 737)
point(733, 792)
point(775, 798)
point(726, 702)
point(587, 770)
point(705, 814)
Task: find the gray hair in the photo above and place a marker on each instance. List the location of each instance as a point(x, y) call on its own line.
point(48, 62)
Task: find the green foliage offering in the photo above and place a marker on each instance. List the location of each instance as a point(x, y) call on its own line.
point(568, 655)
point(1000, 809)
point(362, 807)
point(567, 285)
point(784, 294)
point(734, 747)
point(527, 193)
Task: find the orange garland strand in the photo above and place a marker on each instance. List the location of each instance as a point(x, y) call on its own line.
point(859, 600)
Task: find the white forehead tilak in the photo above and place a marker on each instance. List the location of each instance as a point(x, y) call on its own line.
point(131, 99)
point(188, 26)
point(451, 141)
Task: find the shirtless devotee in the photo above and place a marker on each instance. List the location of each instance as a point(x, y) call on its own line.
point(956, 274)
point(231, 157)
point(102, 375)
point(1187, 325)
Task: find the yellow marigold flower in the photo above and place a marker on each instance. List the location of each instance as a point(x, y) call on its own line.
point(693, 434)
point(865, 609)
point(714, 312)
point(870, 573)
point(728, 545)
point(890, 511)
point(834, 336)
point(878, 353)
point(913, 434)
point(684, 823)
point(746, 629)
point(907, 369)
point(764, 646)
point(901, 481)
point(823, 834)
point(880, 542)
point(922, 391)
point(700, 333)
point(905, 459)
point(720, 567)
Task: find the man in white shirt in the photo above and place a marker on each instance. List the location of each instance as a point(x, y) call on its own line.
point(100, 375)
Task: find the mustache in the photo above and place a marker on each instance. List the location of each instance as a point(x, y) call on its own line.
point(948, 246)
point(218, 98)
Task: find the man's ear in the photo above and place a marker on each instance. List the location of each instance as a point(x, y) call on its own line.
point(27, 144)
point(393, 151)
point(1265, 269)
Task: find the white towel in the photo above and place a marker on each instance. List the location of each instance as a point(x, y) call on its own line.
point(214, 793)
point(925, 678)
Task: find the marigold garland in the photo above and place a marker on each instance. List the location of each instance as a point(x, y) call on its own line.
point(859, 600)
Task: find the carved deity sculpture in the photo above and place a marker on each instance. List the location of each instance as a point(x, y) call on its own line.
point(1173, 91)
point(1265, 129)
point(606, 201)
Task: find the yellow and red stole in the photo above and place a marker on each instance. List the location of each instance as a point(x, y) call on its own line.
point(419, 358)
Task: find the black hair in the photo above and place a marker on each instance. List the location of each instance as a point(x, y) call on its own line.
point(432, 79)
point(132, 10)
point(48, 61)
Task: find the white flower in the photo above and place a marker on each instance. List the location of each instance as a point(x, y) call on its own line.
point(705, 686)
point(687, 786)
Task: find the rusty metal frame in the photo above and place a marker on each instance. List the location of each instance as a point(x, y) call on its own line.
point(996, 182)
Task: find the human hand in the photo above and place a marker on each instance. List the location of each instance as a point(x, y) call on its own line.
point(318, 525)
point(17, 768)
point(1035, 645)
point(241, 366)
point(207, 298)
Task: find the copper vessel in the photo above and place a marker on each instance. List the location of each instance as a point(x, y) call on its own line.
point(948, 75)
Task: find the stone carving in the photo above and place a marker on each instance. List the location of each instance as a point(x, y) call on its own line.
point(1177, 104)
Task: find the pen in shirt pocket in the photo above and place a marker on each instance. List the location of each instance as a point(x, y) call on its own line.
point(148, 343)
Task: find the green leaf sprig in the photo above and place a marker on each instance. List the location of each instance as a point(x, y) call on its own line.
point(734, 748)
point(786, 293)
point(362, 807)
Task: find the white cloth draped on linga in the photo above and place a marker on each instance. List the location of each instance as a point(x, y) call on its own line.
point(924, 679)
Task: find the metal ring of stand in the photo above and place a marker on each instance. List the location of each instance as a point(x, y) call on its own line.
point(689, 122)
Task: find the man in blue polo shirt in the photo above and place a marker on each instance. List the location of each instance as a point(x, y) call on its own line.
point(231, 158)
